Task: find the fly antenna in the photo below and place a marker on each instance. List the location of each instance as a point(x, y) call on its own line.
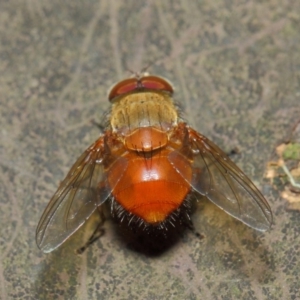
point(143, 72)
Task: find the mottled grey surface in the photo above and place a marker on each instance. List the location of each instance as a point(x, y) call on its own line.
point(236, 69)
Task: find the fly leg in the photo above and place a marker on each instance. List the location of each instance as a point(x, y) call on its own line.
point(98, 232)
point(188, 223)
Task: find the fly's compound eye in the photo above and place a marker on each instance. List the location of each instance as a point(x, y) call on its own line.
point(137, 84)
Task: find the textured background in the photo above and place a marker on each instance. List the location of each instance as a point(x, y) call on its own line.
point(236, 69)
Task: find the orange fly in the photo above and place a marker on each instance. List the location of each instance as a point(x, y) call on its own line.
point(145, 165)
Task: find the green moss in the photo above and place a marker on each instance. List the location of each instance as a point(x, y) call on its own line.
point(292, 151)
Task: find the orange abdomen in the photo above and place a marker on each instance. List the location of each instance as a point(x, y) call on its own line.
point(151, 188)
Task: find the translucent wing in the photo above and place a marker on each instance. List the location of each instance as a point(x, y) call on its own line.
point(222, 182)
point(77, 197)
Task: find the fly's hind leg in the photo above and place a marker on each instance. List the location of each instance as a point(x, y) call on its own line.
point(98, 232)
point(191, 227)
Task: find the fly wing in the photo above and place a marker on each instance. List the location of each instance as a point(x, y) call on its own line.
point(77, 197)
point(222, 182)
